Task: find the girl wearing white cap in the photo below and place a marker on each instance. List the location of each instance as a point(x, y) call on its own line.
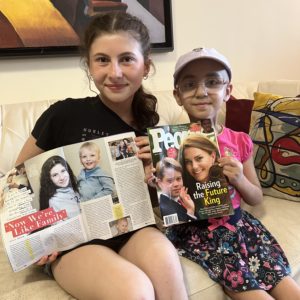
point(239, 253)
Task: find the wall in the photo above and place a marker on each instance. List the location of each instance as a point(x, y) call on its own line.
point(260, 38)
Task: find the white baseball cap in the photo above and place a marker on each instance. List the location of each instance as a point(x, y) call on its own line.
point(201, 53)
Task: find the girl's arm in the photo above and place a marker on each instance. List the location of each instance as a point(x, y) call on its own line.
point(30, 149)
point(243, 177)
point(142, 142)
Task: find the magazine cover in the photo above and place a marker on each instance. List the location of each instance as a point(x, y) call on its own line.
point(70, 195)
point(191, 185)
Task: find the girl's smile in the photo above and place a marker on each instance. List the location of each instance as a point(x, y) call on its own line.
point(203, 104)
point(116, 87)
point(117, 67)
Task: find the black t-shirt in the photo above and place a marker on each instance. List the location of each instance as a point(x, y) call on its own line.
point(77, 120)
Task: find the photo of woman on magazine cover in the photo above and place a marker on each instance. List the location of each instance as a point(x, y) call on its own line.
point(198, 156)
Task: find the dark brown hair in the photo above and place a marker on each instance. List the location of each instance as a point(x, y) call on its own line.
point(144, 104)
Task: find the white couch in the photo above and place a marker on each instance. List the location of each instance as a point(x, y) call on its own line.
point(280, 216)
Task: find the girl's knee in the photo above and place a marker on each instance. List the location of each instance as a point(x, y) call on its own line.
point(287, 288)
point(248, 295)
point(138, 287)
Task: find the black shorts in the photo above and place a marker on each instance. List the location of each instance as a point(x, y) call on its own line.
point(115, 243)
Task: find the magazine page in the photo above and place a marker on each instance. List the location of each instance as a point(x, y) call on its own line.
point(190, 183)
point(114, 198)
point(70, 195)
point(31, 229)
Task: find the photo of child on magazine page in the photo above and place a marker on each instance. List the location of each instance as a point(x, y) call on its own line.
point(191, 185)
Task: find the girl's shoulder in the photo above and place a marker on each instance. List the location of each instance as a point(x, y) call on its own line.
point(235, 143)
point(233, 135)
point(74, 103)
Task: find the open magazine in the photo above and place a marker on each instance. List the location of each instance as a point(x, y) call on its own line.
point(191, 184)
point(72, 194)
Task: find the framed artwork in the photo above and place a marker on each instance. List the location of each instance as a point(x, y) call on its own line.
point(54, 27)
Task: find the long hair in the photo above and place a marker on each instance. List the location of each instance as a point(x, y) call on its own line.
point(144, 104)
point(47, 187)
point(194, 141)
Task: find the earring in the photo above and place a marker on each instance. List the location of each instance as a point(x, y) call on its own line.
point(145, 77)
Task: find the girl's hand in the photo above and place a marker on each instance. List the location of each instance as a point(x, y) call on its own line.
point(232, 169)
point(142, 142)
point(243, 177)
point(150, 178)
point(13, 185)
point(187, 201)
point(48, 258)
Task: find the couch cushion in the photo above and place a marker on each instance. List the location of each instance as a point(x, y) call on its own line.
point(275, 129)
point(286, 88)
point(168, 109)
point(238, 114)
point(244, 89)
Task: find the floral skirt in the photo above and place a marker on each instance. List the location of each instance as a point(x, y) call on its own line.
point(248, 258)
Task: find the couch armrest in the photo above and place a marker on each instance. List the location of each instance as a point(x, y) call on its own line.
point(16, 123)
point(286, 88)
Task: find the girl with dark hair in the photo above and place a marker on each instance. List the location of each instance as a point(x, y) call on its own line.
point(140, 264)
point(58, 187)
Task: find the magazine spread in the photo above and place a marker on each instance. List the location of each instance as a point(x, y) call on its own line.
point(190, 183)
point(70, 195)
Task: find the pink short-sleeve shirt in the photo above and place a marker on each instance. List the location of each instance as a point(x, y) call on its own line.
point(238, 145)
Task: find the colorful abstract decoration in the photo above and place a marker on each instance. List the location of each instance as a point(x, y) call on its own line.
point(275, 131)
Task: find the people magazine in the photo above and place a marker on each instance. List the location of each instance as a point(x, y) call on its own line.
point(55, 201)
point(190, 184)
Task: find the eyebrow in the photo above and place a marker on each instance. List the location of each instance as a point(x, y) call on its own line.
point(194, 157)
point(127, 53)
point(120, 55)
point(100, 54)
point(214, 74)
point(211, 74)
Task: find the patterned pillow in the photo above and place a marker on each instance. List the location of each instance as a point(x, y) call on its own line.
point(275, 131)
